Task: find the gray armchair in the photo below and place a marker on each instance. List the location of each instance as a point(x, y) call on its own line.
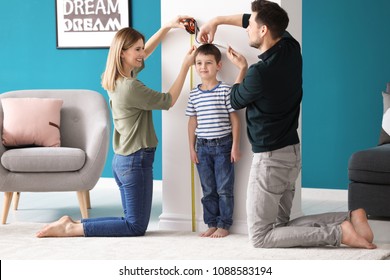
point(369, 187)
point(75, 166)
point(369, 173)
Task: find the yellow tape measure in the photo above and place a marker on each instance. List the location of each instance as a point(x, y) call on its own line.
point(192, 28)
point(193, 209)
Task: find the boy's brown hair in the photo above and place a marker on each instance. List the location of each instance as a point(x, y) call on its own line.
point(209, 49)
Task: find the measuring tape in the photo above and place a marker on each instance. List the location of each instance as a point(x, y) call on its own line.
point(191, 26)
point(193, 209)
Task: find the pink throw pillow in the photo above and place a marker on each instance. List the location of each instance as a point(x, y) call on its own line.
point(31, 122)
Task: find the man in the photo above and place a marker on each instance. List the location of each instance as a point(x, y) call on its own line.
point(271, 92)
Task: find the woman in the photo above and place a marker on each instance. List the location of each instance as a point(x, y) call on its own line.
point(134, 140)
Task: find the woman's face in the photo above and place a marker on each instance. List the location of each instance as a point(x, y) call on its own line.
point(133, 56)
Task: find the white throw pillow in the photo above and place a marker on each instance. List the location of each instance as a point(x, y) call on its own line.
point(386, 121)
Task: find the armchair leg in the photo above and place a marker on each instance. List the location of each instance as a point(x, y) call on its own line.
point(81, 195)
point(7, 204)
point(16, 200)
point(88, 199)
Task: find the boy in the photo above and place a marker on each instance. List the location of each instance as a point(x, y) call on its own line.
point(214, 138)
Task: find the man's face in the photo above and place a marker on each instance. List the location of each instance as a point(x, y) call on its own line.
point(254, 32)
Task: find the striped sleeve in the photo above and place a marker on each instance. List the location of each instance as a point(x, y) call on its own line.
point(190, 110)
point(227, 100)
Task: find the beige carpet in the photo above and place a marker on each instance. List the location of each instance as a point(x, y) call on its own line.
point(17, 242)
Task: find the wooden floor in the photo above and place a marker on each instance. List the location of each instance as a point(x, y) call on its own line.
point(105, 201)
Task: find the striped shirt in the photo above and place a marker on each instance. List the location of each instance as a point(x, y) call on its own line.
point(212, 108)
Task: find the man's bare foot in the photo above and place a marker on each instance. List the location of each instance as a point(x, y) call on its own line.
point(352, 239)
point(361, 225)
point(208, 232)
point(219, 233)
point(64, 227)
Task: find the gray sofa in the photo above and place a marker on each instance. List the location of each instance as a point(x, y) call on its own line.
point(369, 174)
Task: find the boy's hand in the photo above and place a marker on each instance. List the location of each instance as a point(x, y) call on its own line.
point(194, 157)
point(235, 155)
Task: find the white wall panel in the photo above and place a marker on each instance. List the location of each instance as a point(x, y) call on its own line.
point(177, 210)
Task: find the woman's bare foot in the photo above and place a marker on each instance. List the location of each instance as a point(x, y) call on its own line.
point(64, 227)
point(208, 232)
point(219, 233)
point(361, 225)
point(352, 239)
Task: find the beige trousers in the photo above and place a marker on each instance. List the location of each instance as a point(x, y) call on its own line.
point(270, 196)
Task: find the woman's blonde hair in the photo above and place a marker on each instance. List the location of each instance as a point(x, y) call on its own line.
point(123, 40)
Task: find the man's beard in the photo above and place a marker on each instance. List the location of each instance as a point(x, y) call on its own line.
point(256, 44)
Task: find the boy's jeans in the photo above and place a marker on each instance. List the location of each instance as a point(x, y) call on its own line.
point(216, 173)
point(134, 176)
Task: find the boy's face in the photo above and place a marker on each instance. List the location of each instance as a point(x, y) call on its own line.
point(206, 66)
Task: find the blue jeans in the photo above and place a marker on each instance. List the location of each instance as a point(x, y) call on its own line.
point(134, 176)
point(216, 173)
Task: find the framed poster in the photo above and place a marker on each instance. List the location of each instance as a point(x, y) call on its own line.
point(90, 23)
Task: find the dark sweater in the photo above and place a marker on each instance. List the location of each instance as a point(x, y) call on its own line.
point(271, 92)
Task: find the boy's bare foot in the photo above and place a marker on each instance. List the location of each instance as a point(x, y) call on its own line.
point(352, 239)
point(208, 232)
point(360, 223)
point(64, 227)
point(219, 233)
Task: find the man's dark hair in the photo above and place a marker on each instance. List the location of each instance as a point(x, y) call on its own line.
point(209, 49)
point(271, 15)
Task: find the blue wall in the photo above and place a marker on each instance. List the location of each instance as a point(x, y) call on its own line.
point(345, 52)
point(29, 58)
point(346, 60)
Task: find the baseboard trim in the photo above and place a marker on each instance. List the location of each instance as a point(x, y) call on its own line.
point(177, 222)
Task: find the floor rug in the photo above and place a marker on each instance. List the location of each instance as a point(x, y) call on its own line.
point(18, 242)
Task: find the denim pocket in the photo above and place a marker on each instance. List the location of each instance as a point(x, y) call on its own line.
point(225, 148)
point(147, 157)
point(141, 159)
point(123, 164)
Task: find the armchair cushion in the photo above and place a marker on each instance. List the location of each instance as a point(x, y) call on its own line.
point(31, 122)
point(370, 166)
point(43, 159)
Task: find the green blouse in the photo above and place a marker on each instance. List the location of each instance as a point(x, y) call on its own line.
point(132, 104)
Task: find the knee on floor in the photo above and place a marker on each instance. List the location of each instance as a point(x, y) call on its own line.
point(257, 242)
point(136, 229)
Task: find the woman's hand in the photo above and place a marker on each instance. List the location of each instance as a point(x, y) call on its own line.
point(189, 59)
point(177, 22)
